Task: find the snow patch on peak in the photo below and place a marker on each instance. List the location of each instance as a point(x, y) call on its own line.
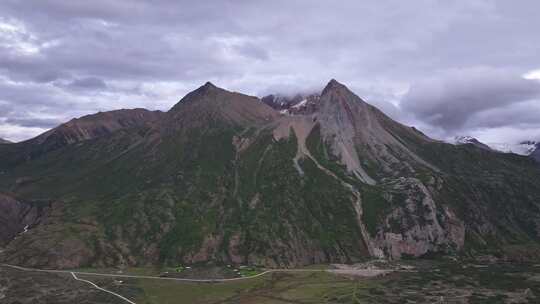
point(522, 148)
point(469, 140)
point(300, 104)
point(462, 140)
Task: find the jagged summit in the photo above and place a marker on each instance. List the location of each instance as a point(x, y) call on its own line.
point(207, 90)
point(336, 87)
point(309, 103)
point(209, 84)
point(333, 85)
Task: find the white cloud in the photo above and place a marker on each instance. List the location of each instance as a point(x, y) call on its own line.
point(534, 74)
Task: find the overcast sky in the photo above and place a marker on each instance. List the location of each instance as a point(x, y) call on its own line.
point(448, 67)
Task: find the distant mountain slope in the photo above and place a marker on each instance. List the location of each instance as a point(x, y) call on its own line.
point(224, 178)
point(78, 130)
point(96, 125)
point(3, 141)
point(526, 148)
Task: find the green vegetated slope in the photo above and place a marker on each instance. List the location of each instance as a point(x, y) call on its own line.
point(164, 195)
point(160, 203)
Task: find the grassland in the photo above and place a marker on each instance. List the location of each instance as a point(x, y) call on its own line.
point(414, 281)
point(425, 281)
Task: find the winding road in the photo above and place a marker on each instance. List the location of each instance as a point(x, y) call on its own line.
point(102, 289)
point(75, 273)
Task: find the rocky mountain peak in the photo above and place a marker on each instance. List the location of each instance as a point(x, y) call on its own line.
point(334, 86)
point(209, 88)
point(214, 103)
point(209, 85)
point(206, 91)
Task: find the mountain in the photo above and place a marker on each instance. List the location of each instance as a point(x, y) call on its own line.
point(210, 104)
point(3, 141)
point(77, 131)
point(527, 148)
point(521, 148)
point(468, 140)
point(531, 148)
point(223, 177)
point(298, 104)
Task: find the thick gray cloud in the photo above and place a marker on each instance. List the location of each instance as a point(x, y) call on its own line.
point(62, 58)
point(88, 83)
point(456, 99)
point(33, 122)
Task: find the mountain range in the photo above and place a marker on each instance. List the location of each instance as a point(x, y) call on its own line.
point(224, 177)
point(528, 148)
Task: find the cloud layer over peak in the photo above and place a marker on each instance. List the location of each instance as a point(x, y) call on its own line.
point(447, 66)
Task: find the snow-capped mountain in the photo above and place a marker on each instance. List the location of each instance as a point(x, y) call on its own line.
point(526, 148)
point(522, 148)
point(464, 140)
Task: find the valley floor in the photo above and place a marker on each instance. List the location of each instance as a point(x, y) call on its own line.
point(419, 281)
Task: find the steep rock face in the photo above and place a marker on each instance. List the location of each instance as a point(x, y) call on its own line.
point(358, 132)
point(397, 213)
point(47, 240)
point(346, 137)
point(17, 217)
point(417, 225)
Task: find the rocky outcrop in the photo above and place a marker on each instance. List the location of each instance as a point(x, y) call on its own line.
point(18, 217)
point(45, 240)
point(418, 225)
